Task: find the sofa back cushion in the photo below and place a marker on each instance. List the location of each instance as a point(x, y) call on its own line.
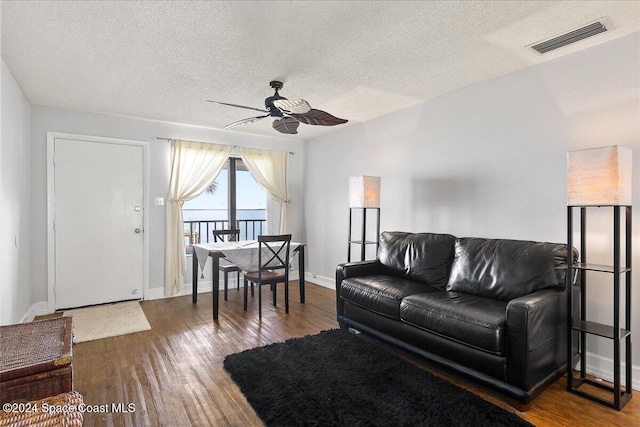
point(506, 269)
point(423, 257)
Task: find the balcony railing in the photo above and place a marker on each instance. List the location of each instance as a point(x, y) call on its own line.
point(201, 231)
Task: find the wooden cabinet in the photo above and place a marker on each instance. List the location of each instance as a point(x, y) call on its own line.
point(36, 359)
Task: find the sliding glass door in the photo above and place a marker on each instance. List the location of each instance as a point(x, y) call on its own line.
point(233, 200)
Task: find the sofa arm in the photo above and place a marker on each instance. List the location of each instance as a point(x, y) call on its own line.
point(536, 336)
point(354, 269)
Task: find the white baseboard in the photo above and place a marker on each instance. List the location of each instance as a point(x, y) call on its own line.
point(158, 293)
point(203, 286)
point(602, 367)
point(598, 366)
point(323, 281)
point(36, 309)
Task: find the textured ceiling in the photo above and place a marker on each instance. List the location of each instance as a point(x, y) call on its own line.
point(357, 60)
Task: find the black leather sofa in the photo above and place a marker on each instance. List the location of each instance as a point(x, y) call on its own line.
point(491, 309)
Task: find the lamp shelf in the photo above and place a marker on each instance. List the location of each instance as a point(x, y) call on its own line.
point(580, 328)
point(600, 267)
point(598, 206)
point(362, 239)
point(366, 242)
point(624, 396)
point(599, 329)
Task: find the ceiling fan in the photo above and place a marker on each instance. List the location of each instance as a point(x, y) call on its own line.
point(288, 114)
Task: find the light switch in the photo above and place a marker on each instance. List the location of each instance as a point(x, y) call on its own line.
point(159, 201)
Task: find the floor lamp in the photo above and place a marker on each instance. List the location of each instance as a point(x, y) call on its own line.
point(364, 194)
point(599, 178)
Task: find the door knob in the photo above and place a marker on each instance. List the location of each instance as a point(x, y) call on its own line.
point(137, 208)
point(138, 231)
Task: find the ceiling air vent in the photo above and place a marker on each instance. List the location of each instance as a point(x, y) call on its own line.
point(571, 37)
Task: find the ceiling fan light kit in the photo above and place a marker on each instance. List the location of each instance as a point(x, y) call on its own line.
point(288, 114)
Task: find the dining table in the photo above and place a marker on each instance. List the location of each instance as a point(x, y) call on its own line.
point(244, 254)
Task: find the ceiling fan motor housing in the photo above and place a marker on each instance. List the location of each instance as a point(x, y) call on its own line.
point(277, 85)
point(268, 103)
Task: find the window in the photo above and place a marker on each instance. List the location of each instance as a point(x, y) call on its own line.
point(233, 198)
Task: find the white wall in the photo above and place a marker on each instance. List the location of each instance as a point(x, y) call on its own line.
point(53, 119)
point(15, 230)
point(488, 161)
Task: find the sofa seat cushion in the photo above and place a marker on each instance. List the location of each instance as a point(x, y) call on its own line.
point(381, 294)
point(469, 319)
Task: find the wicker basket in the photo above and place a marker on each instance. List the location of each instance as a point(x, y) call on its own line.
point(36, 359)
point(62, 410)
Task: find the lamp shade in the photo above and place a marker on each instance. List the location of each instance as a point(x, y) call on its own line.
point(364, 192)
point(599, 176)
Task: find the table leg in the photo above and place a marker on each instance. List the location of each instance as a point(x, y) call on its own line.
point(215, 269)
point(194, 277)
point(301, 272)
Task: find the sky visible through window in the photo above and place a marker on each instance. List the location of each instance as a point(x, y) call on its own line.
point(251, 200)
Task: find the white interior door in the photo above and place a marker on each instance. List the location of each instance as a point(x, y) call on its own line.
point(98, 222)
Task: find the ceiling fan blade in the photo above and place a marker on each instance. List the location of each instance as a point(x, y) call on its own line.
point(245, 121)
point(292, 106)
point(239, 106)
point(286, 125)
point(319, 117)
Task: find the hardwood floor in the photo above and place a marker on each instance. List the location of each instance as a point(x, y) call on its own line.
point(173, 374)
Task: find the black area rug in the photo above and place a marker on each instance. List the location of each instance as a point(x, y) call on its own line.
point(337, 378)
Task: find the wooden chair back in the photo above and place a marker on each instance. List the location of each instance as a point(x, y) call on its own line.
point(230, 235)
point(273, 252)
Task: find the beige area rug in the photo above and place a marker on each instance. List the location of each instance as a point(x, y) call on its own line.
point(110, 320)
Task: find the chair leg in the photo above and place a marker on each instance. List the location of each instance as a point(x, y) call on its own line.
point(259, 300)
point(286, 297)
point(226, 284)
point(245, 292)
point(238, 280)
point(274, 287)
point(252, 294)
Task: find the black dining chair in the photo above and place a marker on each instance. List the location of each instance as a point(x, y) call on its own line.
point(232, 235)
point(273, 268)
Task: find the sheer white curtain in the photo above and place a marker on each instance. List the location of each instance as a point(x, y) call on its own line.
point(269, 169)
point(193, 166)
